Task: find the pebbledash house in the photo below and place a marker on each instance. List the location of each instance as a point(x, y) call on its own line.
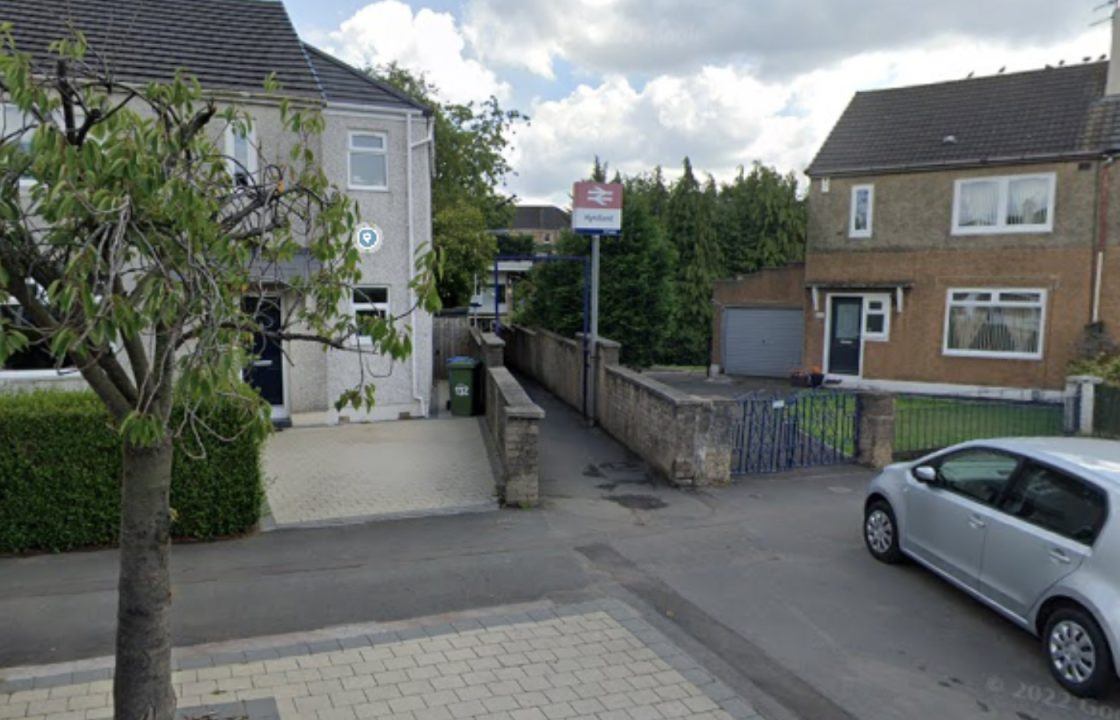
point(961, 234)
point(376, 146)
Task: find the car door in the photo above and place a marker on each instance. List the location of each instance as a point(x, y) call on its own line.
point(1044, 528)
point(947, 519)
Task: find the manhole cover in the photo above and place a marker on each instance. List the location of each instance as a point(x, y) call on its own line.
point(638, 502)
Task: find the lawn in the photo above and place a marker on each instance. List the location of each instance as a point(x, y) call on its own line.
point(924, 424)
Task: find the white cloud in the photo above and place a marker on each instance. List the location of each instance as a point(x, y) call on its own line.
point(723, 116)
point(777, 38)
point(427, 41)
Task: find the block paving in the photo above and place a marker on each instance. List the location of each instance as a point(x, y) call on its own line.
point(594, 661)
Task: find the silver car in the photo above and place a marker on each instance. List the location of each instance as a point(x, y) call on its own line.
point(1026, 526)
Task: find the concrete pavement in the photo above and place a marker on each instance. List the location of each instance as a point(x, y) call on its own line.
point(765, 583)
point(365, 471)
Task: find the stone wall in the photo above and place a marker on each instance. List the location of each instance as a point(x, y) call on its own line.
point(513, 423)
point(556, 362)
point(684, 438)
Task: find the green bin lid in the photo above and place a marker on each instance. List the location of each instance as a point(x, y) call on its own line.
point(462, 361)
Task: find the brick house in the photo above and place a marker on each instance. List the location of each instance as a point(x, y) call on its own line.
point(960, 234)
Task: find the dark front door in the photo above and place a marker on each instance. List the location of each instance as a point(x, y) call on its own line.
point(266, 373)
point(844, 344)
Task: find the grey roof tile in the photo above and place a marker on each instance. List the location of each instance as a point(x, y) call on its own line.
point(342, 83)
point(227, 44)
point(1034, 115)
point(540, 217)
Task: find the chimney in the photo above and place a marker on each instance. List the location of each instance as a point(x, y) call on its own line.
point(1113, 86)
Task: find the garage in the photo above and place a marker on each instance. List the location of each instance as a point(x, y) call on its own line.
point(765, 342)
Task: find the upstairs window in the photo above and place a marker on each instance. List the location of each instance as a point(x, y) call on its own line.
point(1010, 204)
point(368, 162)
point(241, 149)
point(862, 209)
point(995, 323)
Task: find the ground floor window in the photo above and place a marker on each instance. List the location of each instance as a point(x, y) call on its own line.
point(370, 302)
point(996, 323)
point(34, 357)
point(877, 317)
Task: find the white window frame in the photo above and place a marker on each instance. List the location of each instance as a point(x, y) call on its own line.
point(866, 232)
point(996, 292)
point(351, 150)
point(253, 165)
point(384, 307)
point(1001, 225)
point(884, 298)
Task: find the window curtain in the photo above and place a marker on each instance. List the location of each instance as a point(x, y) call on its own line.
point(995, 329)
point(1028, 201)
point(979, 204)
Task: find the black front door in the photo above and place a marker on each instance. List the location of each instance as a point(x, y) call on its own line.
point(266, 373)
point(844, 344)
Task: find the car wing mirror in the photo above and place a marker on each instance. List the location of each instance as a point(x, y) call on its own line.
point(926, 474)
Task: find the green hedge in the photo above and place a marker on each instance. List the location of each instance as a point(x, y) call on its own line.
point(60, 468)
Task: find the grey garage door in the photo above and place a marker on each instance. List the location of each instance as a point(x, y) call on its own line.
point(762, 341)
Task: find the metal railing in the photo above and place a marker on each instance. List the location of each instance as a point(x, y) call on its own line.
point(805, 429)
point(925, 423)
point(1106, 411)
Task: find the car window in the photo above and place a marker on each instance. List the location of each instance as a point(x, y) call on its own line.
point(977, 473)
point(1057, 502)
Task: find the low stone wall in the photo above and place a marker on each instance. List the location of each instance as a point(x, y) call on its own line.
point(556, 362)
point(684, 438)
point(513, 423)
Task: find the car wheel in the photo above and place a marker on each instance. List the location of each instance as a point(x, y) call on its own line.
point(1077, 652)
point(880, 532)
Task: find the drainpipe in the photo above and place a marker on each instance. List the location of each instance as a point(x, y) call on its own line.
point(1102, 235)
point(416, 395)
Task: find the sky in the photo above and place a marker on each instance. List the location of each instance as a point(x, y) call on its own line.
point(642, 83)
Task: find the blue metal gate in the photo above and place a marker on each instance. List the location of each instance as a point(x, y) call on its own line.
point(782, 432)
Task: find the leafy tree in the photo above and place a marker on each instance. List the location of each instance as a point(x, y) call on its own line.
point(762, 222)
point(129, 248)
point(635, 291)
point(686, 232)
point(690, 224)
point(470, 172)
point(465, 248)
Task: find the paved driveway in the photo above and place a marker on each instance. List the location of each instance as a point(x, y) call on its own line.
point(723, 386)
point(345, 473)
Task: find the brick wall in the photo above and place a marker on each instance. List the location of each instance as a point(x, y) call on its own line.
point(912, 242)
point(914, 351)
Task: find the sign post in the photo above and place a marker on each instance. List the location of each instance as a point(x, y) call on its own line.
point(596, 211)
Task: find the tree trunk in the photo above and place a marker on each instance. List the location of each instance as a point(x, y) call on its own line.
point(142, 683)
